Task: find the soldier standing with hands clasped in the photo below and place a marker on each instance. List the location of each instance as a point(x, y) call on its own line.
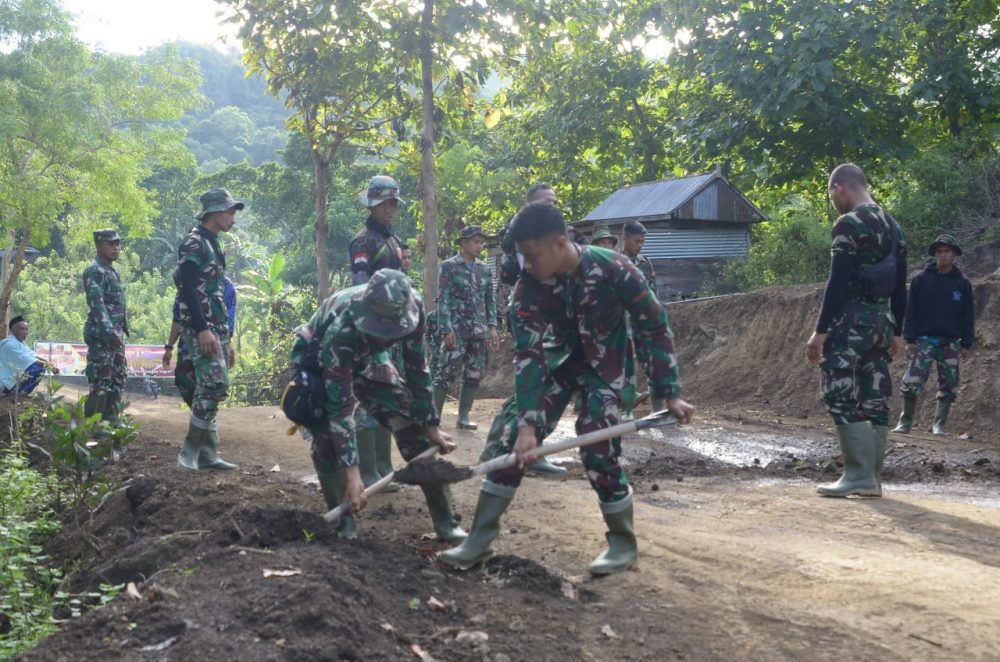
point(467, 323)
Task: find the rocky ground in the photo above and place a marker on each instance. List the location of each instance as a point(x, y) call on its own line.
point(739, 558)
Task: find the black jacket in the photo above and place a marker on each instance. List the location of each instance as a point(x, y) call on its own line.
point(940, 305)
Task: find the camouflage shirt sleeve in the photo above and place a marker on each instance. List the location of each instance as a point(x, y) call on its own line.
point(446, 299)
point(652, 330)
point(529, 325)
point(418, 378)
point(338, 349)
point(362, 257)
point(491, 304)
point(94, 285)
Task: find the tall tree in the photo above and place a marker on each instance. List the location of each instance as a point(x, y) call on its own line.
point(79, 132)
point(328, 57)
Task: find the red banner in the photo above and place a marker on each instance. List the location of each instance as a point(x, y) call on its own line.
point(71, 358)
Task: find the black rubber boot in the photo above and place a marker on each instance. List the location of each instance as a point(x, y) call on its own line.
point(209, 458)
point(476, 548)
point(366, 457)
point(465, 400)
point(905, 423)
point(622, 551)
point(94, 405)
point(941, 417)
point(442, 515)
point(858, 448)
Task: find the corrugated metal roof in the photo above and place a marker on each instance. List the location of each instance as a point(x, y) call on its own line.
point(651, 201)
point(690, 243)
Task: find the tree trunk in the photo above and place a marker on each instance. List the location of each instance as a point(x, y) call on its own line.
point(428, 184)
point(12, 269)
point(320, 188)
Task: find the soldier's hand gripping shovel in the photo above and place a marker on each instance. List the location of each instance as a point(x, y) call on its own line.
point(333, 517)
point(437, 471)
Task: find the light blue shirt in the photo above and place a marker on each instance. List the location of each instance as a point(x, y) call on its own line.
point(15, 357)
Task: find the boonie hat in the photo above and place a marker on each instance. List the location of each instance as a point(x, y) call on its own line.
point(472, 231)
point(217, 199)
point(108, 234)
point(387, 308)
point(944, 240)
point(604, 234)
point(380, 188)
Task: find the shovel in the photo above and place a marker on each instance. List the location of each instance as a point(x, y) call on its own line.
point(333, 517)
point(435, 472)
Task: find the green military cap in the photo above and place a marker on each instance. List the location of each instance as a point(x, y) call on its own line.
point(472, 231)
point(108, 234)
point(387, 308)
point(380, 188)
point(604, 234)
point(217, 199)
point(944, 240)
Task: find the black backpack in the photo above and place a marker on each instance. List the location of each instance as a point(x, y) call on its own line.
point(878, 281)
point(304, 399)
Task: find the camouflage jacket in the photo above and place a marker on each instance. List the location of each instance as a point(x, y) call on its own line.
point(645, 267)
point(375, 247)
point(584, 313)
point(346, 354)
point(465, 299)
point(201, 247)
point(107, 317)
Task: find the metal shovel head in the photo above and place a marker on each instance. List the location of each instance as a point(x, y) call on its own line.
point(432, 471)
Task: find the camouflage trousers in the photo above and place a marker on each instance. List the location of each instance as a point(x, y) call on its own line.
point(855, 379)
point(184, 374)
point(335, 444)
point(211, 375)
point(946, 355)
point(643, 360)
point(469, 353)
point(106, 368)
point(603, 407)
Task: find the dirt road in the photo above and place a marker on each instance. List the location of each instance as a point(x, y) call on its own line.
point(738, 557)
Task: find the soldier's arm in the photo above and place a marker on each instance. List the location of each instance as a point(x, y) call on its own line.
point(651, 326)
point(93, 286)
point(530, 370)
point(418, 378)
point(844, 252)
point(491, 303)
point(362, 258)
point(337, 357)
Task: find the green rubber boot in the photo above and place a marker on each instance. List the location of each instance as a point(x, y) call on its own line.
point(622, 551)
point(476, 548)
point(442, 515)
point(111, 411)
point(881, 439)
point(333, 484)
point(383, 457)
point(188, 458)
point(658, 405)
point(905, 422)
point(366, 457)
point(941, 417)
point(543, 466)
point(440, 395)
point(465, 400)
point(858, 447)
point(208, 457)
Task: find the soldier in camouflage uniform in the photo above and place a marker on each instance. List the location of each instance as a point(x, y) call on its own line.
point(200, 281)
point(604, 239)
point(361, 325)
point(940, 328)
point(857, 330)
point(105, 330)
point(571, 310)
point(467, 322)
point(376, 247)
point(633, 239)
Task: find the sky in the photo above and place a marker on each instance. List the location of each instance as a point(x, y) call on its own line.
point(132, 26)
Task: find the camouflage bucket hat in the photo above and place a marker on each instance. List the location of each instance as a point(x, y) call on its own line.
point(472, 231)
point(387, 308)
point(217, 199)
point(604, 234)
point(380, 188)
point(944, 240)
point(109, 234)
